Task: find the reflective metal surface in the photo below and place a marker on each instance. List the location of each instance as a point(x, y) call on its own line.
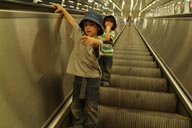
point(170, 38)
point(33, 60)
point(34, 51)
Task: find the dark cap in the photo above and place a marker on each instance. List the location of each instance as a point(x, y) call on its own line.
point(94, 17)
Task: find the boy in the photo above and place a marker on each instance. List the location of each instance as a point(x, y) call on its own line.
point(106, 59)
point(83, 64)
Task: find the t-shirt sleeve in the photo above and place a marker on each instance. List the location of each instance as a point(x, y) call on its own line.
point(76, 32)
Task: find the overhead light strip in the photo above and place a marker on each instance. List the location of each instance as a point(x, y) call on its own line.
point(116, 5)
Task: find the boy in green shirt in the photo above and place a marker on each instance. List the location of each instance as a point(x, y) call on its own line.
point(106, 59)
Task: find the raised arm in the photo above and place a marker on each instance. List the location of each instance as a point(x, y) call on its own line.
point(69, 18)
point(107, 32)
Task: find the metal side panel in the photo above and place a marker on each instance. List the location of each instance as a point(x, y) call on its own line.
point(33, 57)
point(171, 39)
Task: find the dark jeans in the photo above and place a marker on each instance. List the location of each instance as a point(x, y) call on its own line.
point(85, 111)
point(105, 63)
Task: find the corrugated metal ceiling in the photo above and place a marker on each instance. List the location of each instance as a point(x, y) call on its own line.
point(135, 6)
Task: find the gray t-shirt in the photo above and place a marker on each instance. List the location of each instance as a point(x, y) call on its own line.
point(82, 61)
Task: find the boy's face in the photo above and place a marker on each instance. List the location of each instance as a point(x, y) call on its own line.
point(91, 28)
point(109, 22)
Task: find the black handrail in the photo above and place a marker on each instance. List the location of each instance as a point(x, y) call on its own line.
point(182, 15)
point(29, 6)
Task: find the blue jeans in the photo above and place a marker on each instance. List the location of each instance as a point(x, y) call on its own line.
point(85, 111)
point(105, 63)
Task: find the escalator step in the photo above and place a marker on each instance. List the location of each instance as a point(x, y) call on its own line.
point(142, 46)
point(131, 53)
point(113, 117)
point(136, 71)
point(147, 64)
point(145, 100)
point(130, 49)
point(133, 57)
point(140, 83)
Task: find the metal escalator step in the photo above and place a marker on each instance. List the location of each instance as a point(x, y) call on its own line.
point(132, 45)
point(138, 83)
point(132, 53)
point(136, 71)
point(133, 57)
point(145, 100)
point(113, 117)
point(135, 63)
point(131, 41)
point(130, 49)
point(141, 53)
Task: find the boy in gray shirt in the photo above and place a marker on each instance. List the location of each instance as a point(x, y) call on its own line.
point(83, 64)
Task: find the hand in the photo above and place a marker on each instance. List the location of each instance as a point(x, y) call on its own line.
point(87, 41)
point(108, 28)
point(58, 6)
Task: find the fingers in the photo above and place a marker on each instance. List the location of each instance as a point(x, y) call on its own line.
point(53, 4)
point(85, 40)
point(57, 6)
point(58, 10)
point(84, 37)
point(86, 43)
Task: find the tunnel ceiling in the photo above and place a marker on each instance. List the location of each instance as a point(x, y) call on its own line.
point(135, 6)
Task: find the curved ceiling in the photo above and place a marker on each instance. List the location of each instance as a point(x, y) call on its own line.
point(133, 7)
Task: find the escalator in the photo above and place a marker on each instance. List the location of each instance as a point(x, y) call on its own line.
point(140, 96)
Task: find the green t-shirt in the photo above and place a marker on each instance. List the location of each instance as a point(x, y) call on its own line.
point(106, 49)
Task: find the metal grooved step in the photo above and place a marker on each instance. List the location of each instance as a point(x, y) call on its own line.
point(136, 71)
point(135, 63)
point(114, 117)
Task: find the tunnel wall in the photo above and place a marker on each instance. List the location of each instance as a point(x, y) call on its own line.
point(171, 39)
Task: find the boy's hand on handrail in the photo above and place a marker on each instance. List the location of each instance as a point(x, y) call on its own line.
point(69, 18)
point(58, 6)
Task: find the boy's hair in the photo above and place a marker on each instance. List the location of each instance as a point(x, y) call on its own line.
point(112, 18)
point(94, 17)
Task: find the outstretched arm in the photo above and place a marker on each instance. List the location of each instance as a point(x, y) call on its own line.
point(87, 41)
point(69, 18)
point(92, 41)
